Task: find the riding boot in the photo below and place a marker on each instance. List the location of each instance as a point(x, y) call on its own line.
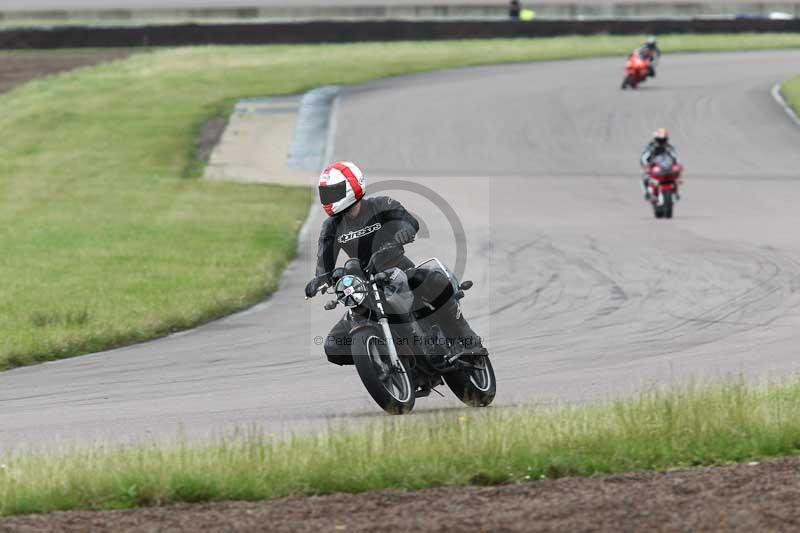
point(409, 333)
point(455, 327)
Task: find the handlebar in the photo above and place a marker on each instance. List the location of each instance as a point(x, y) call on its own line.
point(393, 247)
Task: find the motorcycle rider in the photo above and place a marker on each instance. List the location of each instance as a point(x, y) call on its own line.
point(361, 226)
point(659, 145)
point(650, 52)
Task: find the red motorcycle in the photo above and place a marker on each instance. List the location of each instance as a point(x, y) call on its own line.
point(636, 71)
point(665, 176)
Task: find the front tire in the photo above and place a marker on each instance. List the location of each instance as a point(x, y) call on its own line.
point(657, 211)
point(475, 387)
point(626, 82)
point(392, 388)
point(668, 205)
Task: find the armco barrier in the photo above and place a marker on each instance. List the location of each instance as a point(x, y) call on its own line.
point(352, 31)
point(264, 10)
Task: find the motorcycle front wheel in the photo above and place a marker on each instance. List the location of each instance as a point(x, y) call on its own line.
point(658, 211)
point(391, 386)
point(475, 386)
point(668, 204)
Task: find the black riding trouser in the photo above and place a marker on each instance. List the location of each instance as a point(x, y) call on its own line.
point(338, 343)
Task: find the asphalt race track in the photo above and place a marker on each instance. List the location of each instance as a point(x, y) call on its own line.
point(580, 292)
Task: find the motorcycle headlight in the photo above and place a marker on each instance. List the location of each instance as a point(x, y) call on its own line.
point(351, 291)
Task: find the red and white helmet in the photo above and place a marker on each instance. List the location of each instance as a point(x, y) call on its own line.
point(341, 185)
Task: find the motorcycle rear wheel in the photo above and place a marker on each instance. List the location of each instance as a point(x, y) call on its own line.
point(475, 387)
point(392, 388)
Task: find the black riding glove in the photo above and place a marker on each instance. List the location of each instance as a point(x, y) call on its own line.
point(404, 236)
point(313, 286)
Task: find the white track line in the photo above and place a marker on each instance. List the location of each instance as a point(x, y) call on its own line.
point(333, 124)
point(776, 94)
point(303, 237)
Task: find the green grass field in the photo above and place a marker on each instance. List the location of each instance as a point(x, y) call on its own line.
point(657, 431)
point(790, 90)
point(107, 235)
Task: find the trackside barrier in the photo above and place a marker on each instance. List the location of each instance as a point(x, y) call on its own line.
point(397, 9)
point(362, 31)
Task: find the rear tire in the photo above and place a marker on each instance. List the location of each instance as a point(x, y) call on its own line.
point(393, 389)
point(474, 387)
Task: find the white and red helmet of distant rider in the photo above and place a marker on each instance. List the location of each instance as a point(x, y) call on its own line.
point(345, 177)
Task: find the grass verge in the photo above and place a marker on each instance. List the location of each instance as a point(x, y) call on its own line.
point(790, 90)
point(107, 239)
point(659, 430)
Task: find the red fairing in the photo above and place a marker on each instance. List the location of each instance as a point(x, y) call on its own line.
point(663, 182)
point(636, 68)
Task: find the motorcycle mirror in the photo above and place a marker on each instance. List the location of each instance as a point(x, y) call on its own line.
point(465, 286)
point(330, 306)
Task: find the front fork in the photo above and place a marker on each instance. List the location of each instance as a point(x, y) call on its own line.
point(383, 320)
point(657, 192)
point(673, 191)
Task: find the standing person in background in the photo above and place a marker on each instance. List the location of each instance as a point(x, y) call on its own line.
point(514, 9)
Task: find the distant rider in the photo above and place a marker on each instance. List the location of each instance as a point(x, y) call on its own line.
point(659, 145)
point(650, 52)
point(361, 227)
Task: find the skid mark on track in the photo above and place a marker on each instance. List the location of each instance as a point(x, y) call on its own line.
point(598, 302)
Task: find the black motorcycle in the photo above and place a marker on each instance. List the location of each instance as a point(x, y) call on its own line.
point(398, 349)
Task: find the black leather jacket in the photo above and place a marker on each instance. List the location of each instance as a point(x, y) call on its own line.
point(650, 53)
point(653, 149)
point(378, 222)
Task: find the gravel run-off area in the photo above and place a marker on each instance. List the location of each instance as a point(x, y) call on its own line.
point(17, 68)
point(749, 497)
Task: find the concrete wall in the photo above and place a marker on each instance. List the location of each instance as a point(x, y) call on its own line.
point(441, 8)
point(352, 31)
